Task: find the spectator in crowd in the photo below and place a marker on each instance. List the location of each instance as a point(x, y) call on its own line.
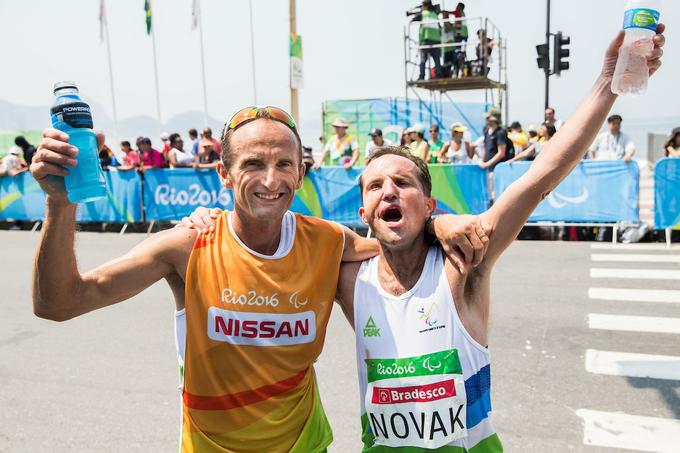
point(151, 158)
point(429, 35)
point(545, 133)
point(207, 157)
point(519, 138)
point(418, 146)
point(377, 141)
point(405, 138)
point(307, 158)
point(177, 157)
point(612, 144)
point(193, 136)
point(672, 148)
point(342, 148)
point(435, 145)
point(11, 165)
point(165, 140)
point(458, 150)
point(209, 143)
point(107, 158)
point(131, 159)
point(27, 149)
point(497, 146)
point(551, 120)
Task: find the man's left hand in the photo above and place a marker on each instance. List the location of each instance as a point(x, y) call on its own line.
point(464, 238)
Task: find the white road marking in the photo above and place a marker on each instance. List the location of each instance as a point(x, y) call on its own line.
point(635, 295)
point(633, 365)
point(630, 432)
point(634, 323)
point(651, 274)
point(635, 258)
point(633, 247)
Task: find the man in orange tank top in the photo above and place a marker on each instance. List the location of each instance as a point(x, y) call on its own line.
point(255, 321)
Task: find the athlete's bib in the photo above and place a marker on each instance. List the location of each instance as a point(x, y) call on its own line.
point(416, 401)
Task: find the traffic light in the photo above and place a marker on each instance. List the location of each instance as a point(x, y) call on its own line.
point(560, 53)
point(543, 59)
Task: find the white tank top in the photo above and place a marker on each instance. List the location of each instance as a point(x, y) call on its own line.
point(184, 158)
point(424, 381)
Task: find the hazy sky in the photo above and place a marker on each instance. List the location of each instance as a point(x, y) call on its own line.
point(352, 49)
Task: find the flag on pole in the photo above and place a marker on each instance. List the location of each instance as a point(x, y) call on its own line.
point(295, 53)
point(102, 20)
point(195, 13)
point(147, 8)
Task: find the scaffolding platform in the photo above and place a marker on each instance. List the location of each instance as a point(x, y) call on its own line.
point(455, 84)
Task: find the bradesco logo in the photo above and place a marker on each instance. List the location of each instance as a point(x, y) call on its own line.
point(415, 393)
point(261, 329)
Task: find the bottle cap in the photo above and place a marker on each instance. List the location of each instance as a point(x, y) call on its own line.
point(65, 85)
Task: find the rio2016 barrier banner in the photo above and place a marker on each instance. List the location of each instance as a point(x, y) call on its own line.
point(595, 191)
point(22, 199)
point(667, 193)
point(329, 192)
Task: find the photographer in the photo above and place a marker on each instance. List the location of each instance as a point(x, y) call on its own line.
point(429, 35)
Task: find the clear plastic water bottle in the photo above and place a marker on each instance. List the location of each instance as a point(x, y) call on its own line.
point(639, 21)
point(69, 114)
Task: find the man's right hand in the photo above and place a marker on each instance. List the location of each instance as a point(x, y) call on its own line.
point(201, 219)
point(53, 154)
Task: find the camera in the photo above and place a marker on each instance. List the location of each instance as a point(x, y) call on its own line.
point(419, 9)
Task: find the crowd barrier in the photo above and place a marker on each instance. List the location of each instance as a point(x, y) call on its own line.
point(667, 193)
point(22, 199)
point(596, 192)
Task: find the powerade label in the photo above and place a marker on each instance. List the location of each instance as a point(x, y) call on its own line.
point(641, 18)
point(75, 114)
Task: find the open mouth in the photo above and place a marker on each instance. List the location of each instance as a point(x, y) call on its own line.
point(268, 196)
point(391, 214)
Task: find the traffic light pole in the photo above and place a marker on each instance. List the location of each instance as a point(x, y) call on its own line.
point(547, 43)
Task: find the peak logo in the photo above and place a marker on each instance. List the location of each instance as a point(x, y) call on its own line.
point(261, 329)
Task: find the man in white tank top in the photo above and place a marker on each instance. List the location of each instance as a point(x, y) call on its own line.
point(421, 322)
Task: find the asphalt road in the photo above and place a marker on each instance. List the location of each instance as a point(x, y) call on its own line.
point(108, 381)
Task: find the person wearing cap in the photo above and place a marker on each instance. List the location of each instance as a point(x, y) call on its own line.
point(11, 165)
point(342, 147)
point(612, 144)
point(429, 35)
point(458, 150)
point(545, 133)
point(165, 139)
point(435, 144)
point(418, 146)
point(377, 141)
point(497, 147)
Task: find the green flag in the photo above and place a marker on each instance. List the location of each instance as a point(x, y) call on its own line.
point(147, 8)
point(295, 52)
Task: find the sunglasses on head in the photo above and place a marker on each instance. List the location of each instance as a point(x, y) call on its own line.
point(250, 113)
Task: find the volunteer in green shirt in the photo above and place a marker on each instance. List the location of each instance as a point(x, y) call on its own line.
point(430, 35)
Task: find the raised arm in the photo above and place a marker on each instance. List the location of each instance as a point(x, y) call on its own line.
point(560, 155)
point(60, 292)
point(357, 248)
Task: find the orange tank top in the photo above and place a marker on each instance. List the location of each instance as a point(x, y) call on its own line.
point(255, 326)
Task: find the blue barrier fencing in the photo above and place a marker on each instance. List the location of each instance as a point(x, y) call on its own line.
point(22, 199)
point(600, 191)
point(597, 191)
point(667, 193)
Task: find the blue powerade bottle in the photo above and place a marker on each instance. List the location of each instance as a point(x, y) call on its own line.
point(85, 181)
